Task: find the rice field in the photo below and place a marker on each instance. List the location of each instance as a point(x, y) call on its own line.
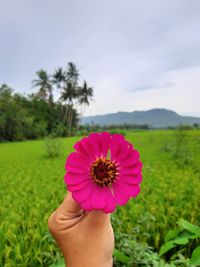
point(31, 187)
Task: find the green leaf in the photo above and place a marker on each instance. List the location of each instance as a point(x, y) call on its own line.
point(195, 259)
point(181, 241)
point(189, 226)
point(171, 234)
point(59, 263)
point(120, 256)
point(188, 235)
point(166, 247)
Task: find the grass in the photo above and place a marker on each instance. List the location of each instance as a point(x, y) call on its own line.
point(31, 187)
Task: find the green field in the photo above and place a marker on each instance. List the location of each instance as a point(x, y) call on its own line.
point(31, 187)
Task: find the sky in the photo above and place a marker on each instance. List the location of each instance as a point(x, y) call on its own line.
point(137, 55)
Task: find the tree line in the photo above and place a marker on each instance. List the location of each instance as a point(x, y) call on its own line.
point(38, 114)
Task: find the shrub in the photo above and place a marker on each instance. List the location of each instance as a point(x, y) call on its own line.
point(118, 131)
point(52, 146)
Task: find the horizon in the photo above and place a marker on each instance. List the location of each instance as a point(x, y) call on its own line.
point(158, 108)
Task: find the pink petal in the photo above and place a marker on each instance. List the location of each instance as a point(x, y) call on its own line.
point(131, 190)
point(131, 179)
point(98, 198)
point(129, 145)
point(76, 161)
point(124, 153)
point(86, 205)
point(110, 202)
point(120, 196)
point(131, 160)
point(106, 203)
point(95, 141)
point(131, 170)
point(84, 148)
point(76, 170)
point(136, 190)
point(105, 143)
point(79, 186)
point(72, 179)
point(116, 143)
point(82, 195)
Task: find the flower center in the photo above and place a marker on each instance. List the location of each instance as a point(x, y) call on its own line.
point(103, 172)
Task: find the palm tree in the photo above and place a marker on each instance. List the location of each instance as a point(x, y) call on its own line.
point(72, 74)
point(44, 85)
point(70, 91)
point(58, 77)
point(85, 94)
point(68, 95)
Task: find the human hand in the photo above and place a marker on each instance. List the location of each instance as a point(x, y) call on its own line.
point(85, 238)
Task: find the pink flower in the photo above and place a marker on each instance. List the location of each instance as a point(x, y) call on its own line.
point(98, 181)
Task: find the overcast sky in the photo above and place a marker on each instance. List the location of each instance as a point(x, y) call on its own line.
point(136, 55)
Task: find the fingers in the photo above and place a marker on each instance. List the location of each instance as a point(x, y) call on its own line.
point(65, 216)
point(98, 218)
point(70, 209)
point(69, 206)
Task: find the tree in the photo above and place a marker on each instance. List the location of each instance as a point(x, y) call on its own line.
point(69, 92)
point(85, 94)
point(68, 95)
point(45, 87)
point(5, 92)
point(36, 115)
point(72, 74)
point(58, 77)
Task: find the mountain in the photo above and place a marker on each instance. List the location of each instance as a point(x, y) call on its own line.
point(156, 118)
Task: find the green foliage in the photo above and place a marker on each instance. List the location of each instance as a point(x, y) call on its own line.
point(182, 148)
point(195, 259)
point(112, 127)
point(30, 117)
point(194, 229)
point(52, 146)
point(37, 115)
point(130, 252)
point(118, 132)
point(121, 257)
point(32, 187)
point(59, 263)
point(185, 233)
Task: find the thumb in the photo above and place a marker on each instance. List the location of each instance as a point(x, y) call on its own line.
point(69, 207)
point(97, 218)
point(65, 216)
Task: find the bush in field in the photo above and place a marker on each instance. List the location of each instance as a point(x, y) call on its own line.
point(52, 146)
point(182, 153)
point(179, 148)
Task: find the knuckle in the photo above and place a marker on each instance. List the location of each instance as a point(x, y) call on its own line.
point(53, 223)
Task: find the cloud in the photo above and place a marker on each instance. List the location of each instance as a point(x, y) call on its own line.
point(152, 87)
point(123, 49)
point(178, 96)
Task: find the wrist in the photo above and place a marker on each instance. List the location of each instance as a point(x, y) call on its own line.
point(91, 263)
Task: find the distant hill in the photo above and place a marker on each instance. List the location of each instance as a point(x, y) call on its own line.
point(156, 118)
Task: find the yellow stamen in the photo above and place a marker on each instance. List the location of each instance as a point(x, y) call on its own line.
point(103, 172)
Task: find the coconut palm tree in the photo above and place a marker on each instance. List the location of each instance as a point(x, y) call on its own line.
point(68, 95)
point(69, 91)
point(72, 74)
point(85, 94)
point(44, 85)
point(58, 77)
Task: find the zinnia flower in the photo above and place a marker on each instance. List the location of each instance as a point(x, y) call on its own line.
point(104, 171)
